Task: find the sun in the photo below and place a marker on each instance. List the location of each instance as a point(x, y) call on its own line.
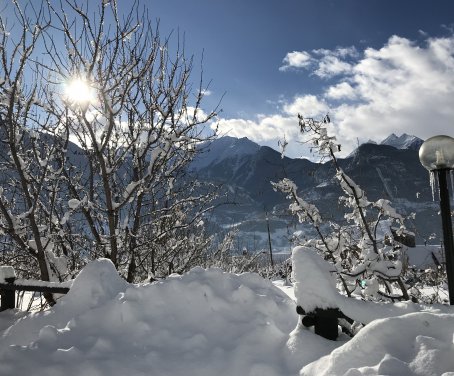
point(79, 91)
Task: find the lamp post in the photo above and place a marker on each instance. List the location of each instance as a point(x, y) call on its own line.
point(437, 155)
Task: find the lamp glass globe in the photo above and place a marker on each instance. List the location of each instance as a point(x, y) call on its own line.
point(437, 153)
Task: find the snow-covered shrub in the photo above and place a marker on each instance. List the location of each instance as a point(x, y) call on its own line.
point(365, 263)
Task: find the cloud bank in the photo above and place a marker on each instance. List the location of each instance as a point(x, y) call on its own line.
point(401, 87)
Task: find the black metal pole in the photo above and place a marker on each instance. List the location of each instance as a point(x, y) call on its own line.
point(269, 241)
point(445, 209)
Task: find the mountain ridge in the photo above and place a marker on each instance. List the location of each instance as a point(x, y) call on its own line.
point(404, 141)
point(383, 171)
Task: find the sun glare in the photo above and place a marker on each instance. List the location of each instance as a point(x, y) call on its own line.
point(79, 91)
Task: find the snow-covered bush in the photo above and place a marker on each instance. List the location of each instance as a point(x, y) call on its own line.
point(364, 259)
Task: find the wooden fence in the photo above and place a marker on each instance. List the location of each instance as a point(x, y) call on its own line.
point(9, 285)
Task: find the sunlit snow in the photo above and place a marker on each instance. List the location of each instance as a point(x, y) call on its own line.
point(208, 322)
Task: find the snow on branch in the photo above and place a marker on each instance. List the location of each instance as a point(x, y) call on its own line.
point(304, 210)
point(352, 189)
point(365, 264)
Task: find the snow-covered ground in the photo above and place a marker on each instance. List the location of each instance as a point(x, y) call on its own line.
point(208, 322)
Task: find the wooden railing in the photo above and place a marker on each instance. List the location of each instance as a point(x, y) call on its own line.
point(9, 285)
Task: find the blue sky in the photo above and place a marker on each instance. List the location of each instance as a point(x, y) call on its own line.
point(377, 66)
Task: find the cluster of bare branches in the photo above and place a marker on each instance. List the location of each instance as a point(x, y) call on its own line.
point(98, 123)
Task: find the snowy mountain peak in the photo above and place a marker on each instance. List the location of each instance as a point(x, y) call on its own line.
point(224, 148)
point(405, 141)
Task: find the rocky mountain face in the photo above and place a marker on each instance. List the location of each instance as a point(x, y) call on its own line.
point(389, 170)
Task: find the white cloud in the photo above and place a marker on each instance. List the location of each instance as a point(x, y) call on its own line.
point(270, 129)
point(326, 63)
point(296, 59)
point(261, 129)
point(341, 52)
point(335, 62)
point(402, 87)
point(307, 105)
point(423, 33)
point(330, 66)
point(339, 91)
point(267, 130)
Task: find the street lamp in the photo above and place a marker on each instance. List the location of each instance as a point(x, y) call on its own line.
point(437, 155)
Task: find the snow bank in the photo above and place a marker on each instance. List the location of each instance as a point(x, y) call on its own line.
point(207, 323)
point(96, 284)
point(399, 339)
point(203, 323)
point(413, 344)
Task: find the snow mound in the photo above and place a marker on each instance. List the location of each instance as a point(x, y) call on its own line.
point(399, 339)
point(205, 322)
point(96, 284)
point(413, 344)
point(314, 285)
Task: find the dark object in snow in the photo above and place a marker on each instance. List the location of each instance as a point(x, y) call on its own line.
point(325, 321)
point(405, 238)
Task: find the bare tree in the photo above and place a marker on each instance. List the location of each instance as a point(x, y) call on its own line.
point(99, 122)
point(29, 187)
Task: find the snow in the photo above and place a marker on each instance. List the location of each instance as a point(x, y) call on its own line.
point(130, 188)
point(73, 203)
point(6, 272)
point(304, 210)
point(38, 283)
point(208, 322)
point(413, 344)
point(203, 323)
point(314, 286)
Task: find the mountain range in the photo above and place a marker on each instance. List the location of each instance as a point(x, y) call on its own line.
point(389, 170)
point(249, 204)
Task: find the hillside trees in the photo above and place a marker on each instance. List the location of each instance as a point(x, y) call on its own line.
point(98, 122)
point(363, 256)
